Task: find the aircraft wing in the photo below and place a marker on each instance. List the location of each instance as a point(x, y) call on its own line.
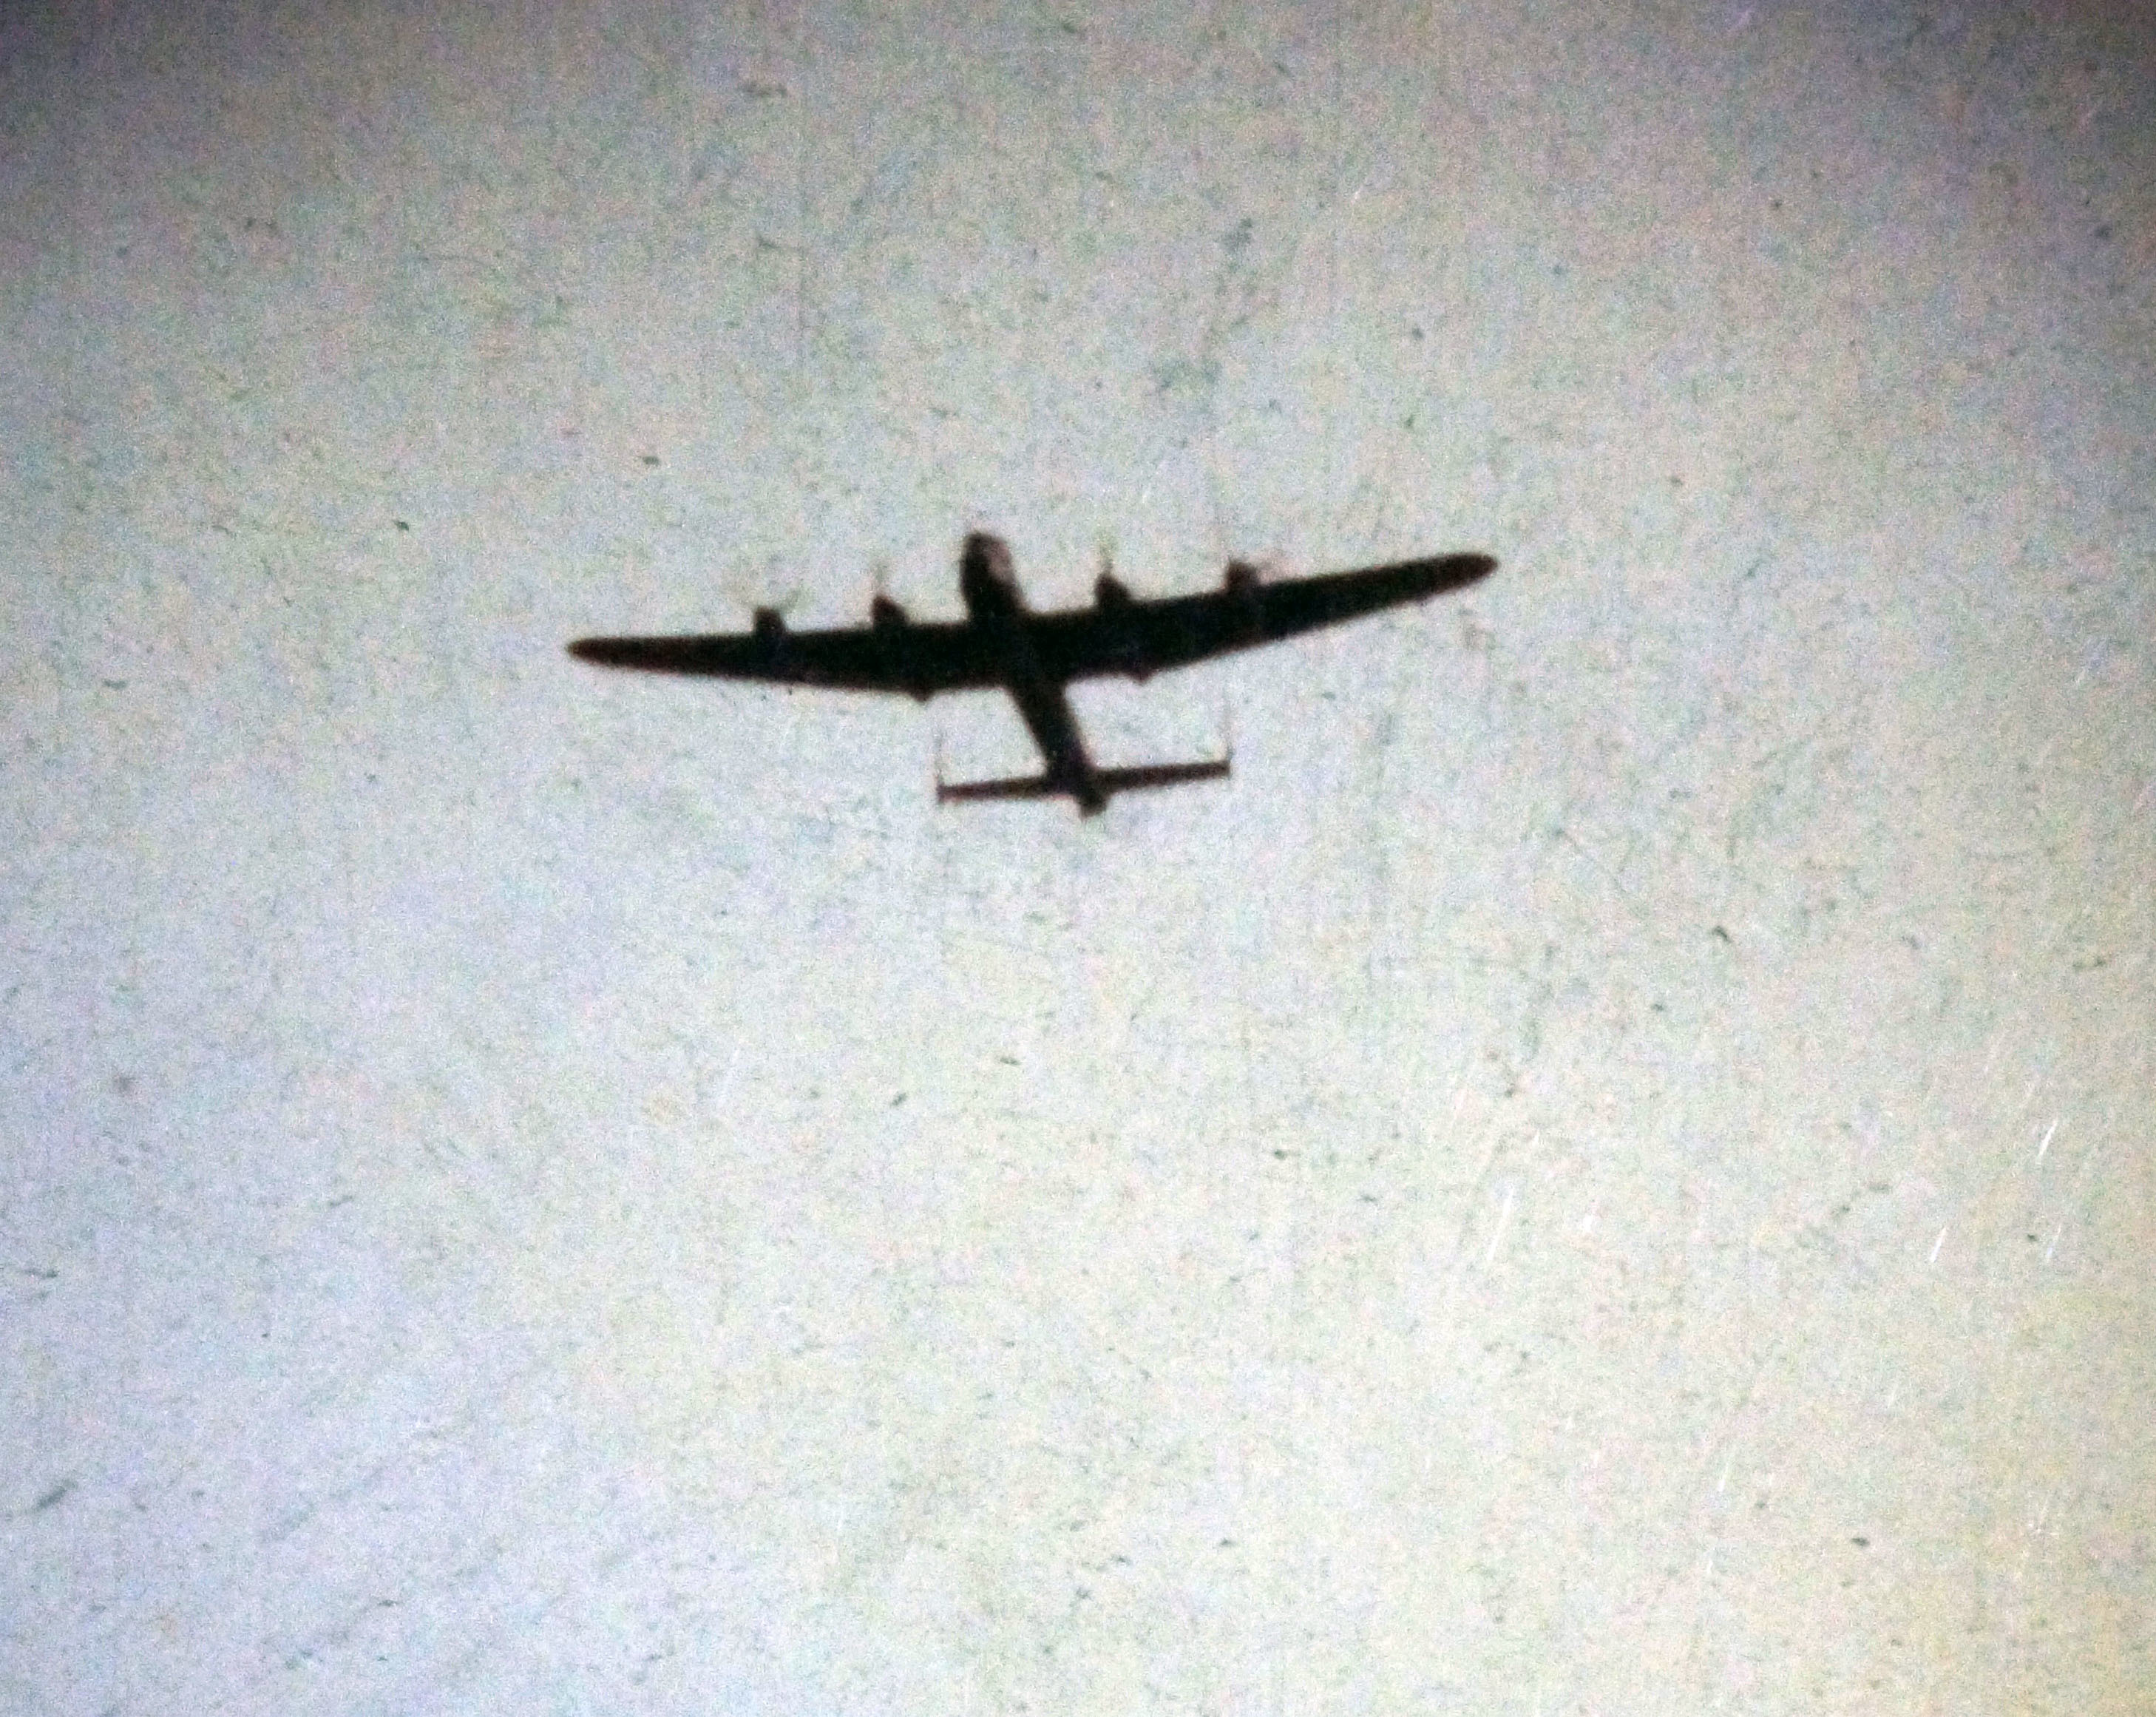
point(1140, 638)
point(918, 660)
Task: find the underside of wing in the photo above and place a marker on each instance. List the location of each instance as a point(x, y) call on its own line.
point(1140, 638)
point(919, 660)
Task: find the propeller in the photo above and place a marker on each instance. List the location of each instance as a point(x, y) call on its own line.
point(1108, 590)
point(768, 612)
point(883, 609)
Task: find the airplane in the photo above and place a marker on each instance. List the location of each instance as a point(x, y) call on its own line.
point(1003, 644)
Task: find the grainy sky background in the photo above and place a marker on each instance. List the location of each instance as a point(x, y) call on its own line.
point(1606, 1169)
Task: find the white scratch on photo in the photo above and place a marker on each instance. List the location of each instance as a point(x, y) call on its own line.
point(1497, 1234)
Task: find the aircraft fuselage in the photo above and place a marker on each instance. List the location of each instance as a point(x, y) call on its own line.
point(988, 582)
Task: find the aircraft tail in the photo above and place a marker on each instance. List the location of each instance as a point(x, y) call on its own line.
point(1110, 782)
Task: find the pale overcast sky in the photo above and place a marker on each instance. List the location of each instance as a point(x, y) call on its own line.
point(1605, 1169)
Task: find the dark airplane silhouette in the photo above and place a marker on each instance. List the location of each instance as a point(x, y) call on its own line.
point(1001, 643)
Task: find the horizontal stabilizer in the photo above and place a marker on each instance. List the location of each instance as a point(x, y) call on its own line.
point(1160, 775)
point(1109, 781)
point(1018, 787)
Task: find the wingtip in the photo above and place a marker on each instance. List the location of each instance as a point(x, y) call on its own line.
point(1455, 572)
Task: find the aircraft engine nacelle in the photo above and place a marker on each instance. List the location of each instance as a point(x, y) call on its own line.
point(886, 614)
point(1242, 578)
point(769, 623)
point(1110, 593)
